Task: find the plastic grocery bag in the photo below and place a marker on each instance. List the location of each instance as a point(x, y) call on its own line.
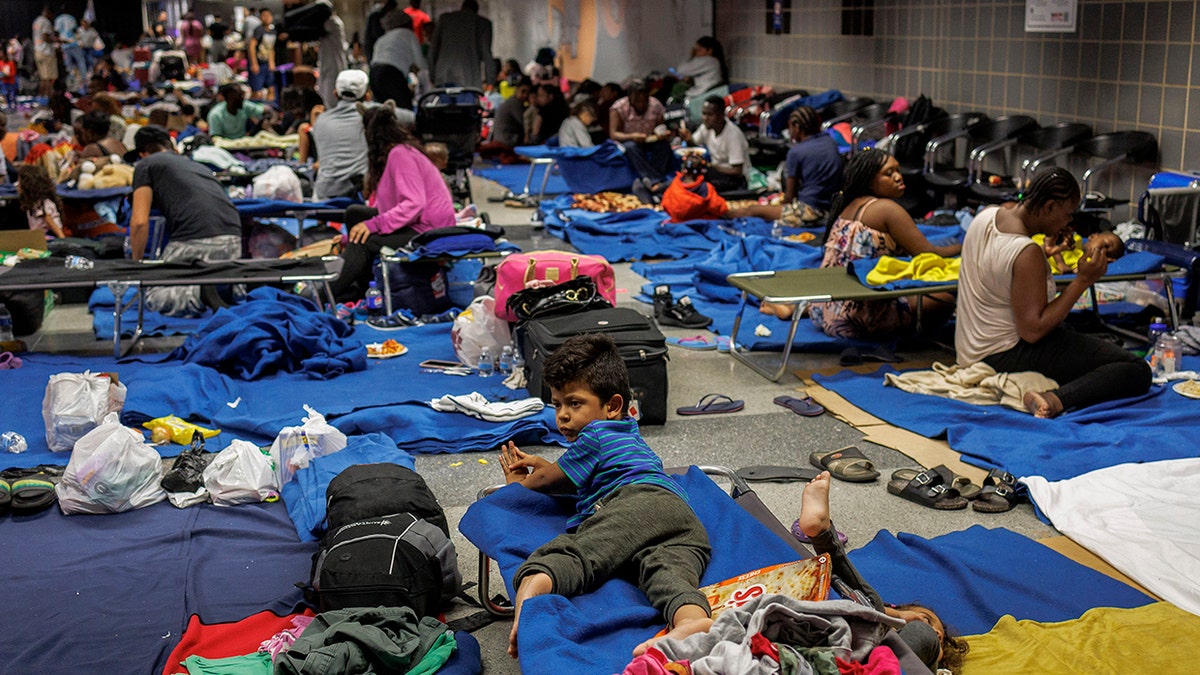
point(278, 182)
point(75, 403)
point(111, 470)
point(294, 447)
point(477, 327)
point(241, 474)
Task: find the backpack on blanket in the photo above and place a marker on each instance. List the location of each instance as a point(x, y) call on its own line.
point(388, 544)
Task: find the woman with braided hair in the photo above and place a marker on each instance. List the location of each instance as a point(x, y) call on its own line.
point(1010, 316)
point(865, 221)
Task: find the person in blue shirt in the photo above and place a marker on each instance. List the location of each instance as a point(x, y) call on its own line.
point(813, 169)
point(630, 515)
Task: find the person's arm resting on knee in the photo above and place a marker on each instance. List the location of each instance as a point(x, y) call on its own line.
point(139, 221)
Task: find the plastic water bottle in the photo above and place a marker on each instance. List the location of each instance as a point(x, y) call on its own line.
point(11, 441)
point(128, 248)
point(518, 361)
point(78, 262)
point(504, 364)
point(6, 331)
point(486, 364)
point(1167, 351)
point(374, 301)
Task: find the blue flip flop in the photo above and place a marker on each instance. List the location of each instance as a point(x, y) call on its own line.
point(695, 342)
point(712, 404)
point(801, 406)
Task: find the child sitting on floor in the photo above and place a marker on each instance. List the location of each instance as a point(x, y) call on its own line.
point(1066, 250)
point(39, 200)
point(629, 516)
point(937, 649)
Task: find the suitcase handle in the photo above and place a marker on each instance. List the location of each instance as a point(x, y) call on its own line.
point(531, 270)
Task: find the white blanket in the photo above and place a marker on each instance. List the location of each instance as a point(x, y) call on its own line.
point(1144, 519)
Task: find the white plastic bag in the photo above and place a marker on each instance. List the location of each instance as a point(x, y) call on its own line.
point(75, 403)
point(477, 327)
point(294, 447)
point(241, 474)
point(278, 182)
point(111, 470)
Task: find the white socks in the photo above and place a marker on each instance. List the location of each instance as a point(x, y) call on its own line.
point(475, 405)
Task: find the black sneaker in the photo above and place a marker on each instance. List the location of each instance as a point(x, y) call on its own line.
point(187, 474)
point(662, 300)
point(684, 315)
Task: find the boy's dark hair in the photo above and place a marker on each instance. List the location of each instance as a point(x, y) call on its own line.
point(97, 122)
point(583, 105)
point(593, 360)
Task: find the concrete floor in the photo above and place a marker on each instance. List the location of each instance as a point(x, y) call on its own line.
point(762, 433)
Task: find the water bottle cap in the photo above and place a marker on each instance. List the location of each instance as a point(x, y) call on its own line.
point(371, 284)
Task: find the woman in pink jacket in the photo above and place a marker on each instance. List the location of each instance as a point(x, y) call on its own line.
point(407, 192)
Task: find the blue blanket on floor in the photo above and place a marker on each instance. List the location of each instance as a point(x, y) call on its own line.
point(115, 592)
point(101, 305)
point(279, 207)
point(273, 331)
point(513, 177)
point(972, 578)
point(358, 402)
point(595, 633)
point(590, 170)
point(305, 493)
point(1135, 262)
point(1159, 425)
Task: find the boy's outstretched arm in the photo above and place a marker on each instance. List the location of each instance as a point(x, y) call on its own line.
point(532, 471)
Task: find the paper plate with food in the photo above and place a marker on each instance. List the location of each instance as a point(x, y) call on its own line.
point(385, 350)
point(1188, 388)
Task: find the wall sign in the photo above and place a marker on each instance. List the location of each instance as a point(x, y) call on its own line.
point(1051, 16)
point(779, 17)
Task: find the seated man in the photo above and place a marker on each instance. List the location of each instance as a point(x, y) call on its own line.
point(230, 117)
point(728, 149)
point(638, 123)
point(201, 222)
point(338, 135)
point(508, 125)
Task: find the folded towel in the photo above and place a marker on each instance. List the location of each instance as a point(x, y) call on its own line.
point(475, 405)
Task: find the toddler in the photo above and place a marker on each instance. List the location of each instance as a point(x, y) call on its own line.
point(39, 200)
point(1066, 250)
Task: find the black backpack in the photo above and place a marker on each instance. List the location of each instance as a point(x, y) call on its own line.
point(388, 544)
point(909, 148)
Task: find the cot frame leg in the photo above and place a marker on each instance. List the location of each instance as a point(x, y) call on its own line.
point(118, 291)
point(736, 352)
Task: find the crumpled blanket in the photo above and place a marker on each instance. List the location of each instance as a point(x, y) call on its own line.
point(923, 267)
point(274, 331)
point(851, 629)
point(978, 384)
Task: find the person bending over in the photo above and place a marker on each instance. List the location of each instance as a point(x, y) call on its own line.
point(812, 171)
point(631, 517)
point(728, 150)
point(1010, 317)
point(408, 194)
point(201, 222)
point(924, 633)
point(866, 222)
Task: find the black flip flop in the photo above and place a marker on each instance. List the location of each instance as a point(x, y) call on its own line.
point(776, 474)
point(999, 493)
point(929, 488)
point(801, 406)
point(711, 404)
point(848, 464)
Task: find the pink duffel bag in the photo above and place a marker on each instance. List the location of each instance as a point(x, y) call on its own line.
point(518, 269)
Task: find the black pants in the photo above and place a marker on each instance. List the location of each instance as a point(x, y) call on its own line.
point(652, 161)
point(724, 182)
point(352, 283)
point(1088, 370)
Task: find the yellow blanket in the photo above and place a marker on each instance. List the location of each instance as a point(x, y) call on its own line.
point(1147, 639)
point(1070, 257)
point(923, 267)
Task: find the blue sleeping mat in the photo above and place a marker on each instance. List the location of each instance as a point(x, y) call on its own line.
point(973, 577)
point(596, 169)
point(1159, 425)
point(595, 633)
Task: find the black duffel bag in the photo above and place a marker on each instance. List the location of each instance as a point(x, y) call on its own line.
point(569, 297)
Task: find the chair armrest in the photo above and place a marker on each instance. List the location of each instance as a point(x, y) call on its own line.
point(935, 144)
point(979, 153)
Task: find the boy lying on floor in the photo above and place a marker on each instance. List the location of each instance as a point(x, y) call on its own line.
point(629, 515)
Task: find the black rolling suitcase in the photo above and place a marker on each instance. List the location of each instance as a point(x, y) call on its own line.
point(642, 346)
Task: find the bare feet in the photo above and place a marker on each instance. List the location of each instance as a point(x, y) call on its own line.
point(533, 585)
point(814, 506)
point(1043, 404)
point(780, 310)
point(689, 620)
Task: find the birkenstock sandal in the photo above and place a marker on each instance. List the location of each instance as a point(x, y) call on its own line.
point(696, 342)
point(801, 537)
point(961, 483)
point(848, 464)
point(776, 474)
point(801, 406)
point(999, 493)
point(712, 404)
point(929, 488)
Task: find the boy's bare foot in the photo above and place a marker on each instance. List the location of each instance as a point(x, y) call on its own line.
point(1043, 404)
point(532, 585)
point(779, 310)
point(681, 630)
point(814, 506)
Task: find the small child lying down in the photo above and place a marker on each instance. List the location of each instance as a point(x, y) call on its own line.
point(1066, 250)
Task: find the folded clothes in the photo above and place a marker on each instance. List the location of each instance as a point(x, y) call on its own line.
point(979, 384)
point(475, 405)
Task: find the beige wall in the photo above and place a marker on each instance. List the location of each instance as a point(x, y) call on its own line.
point(1129, 65)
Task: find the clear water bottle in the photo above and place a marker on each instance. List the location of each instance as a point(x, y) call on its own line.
point(518, 361)
point(1167, 352)
point(6, 331)
point(486, 364)
point(78, 262)
point(374, 301)
point(128, 248)
point(11, 441)
point(504, 364)
point(777, 230)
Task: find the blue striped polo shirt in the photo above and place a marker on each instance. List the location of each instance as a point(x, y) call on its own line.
point(610, 454)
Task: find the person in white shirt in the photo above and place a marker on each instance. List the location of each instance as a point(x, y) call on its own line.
point(728, 150)
point(706, 69)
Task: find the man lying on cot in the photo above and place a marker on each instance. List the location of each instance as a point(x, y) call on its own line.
point(629, 514)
